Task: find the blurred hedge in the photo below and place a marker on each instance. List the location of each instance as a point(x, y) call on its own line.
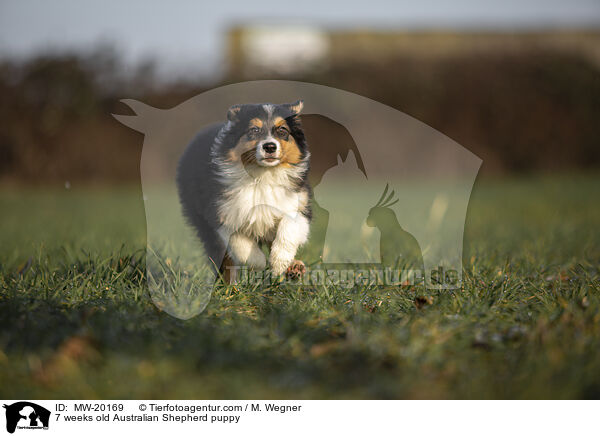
point(519, 112)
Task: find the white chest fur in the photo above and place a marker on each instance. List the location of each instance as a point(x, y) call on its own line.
point(255, 205)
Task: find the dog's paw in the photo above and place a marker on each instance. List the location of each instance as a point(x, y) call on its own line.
point(295, 270)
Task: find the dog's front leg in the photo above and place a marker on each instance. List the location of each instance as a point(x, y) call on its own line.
point(245, 251)
point(292, 232)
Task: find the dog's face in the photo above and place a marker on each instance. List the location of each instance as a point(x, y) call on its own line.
point(266, 135)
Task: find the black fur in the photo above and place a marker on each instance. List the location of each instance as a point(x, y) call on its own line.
point(198, 185)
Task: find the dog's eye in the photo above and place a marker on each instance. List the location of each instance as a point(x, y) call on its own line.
point(283, 132)
point(254, 130)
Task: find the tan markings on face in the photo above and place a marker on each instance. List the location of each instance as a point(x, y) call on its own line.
point(290, 153)
point(249, 157)
point(244, 149)
point(243, 146)
point(232, 156)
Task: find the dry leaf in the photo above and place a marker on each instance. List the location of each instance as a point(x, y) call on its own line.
point(423, 300)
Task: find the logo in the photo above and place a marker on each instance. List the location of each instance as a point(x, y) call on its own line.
point(26, 415)
point(389, 205)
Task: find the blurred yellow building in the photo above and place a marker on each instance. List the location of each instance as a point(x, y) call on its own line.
point(295, 50)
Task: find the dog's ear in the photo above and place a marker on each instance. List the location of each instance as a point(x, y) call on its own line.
point(296, 107)
point(233, 112)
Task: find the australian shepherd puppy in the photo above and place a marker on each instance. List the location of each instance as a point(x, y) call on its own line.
point(243, 184)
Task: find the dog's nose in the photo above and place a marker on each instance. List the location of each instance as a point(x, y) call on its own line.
point(269, 147)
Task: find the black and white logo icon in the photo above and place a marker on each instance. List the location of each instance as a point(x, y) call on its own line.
point(26, 415)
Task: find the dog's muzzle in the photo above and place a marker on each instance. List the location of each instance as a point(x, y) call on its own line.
point(268, 152)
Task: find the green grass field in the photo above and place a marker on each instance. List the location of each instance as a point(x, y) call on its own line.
point(76, 319)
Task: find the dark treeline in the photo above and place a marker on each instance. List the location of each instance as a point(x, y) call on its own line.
point(519, 112)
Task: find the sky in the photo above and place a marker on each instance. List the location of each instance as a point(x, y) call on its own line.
point(188, 35)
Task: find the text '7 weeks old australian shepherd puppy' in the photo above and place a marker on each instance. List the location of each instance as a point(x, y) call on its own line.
point(243, 184)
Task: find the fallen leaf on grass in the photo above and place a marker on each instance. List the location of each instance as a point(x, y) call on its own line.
point(67, 358)
point(562, 276)
point(422, 301)
point(372, 307)
point(318, 350)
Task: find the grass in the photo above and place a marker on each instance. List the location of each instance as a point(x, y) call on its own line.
point(77, 320)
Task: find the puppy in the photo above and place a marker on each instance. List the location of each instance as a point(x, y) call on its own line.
point(244, 184)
